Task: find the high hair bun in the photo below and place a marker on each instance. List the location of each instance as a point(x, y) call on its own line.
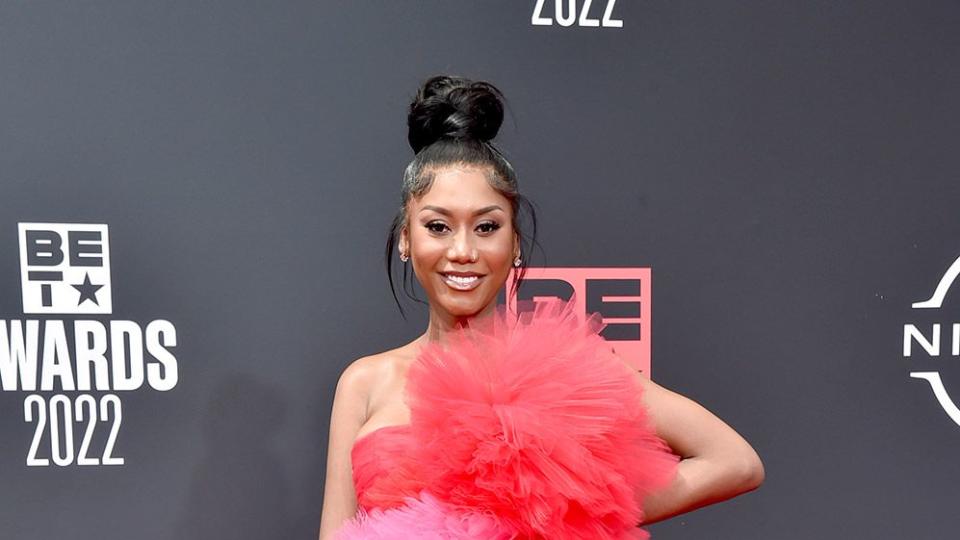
point(449, 107)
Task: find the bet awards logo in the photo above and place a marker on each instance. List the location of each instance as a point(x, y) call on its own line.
point(566, 13)
point(931, 342)
point(620, 295)
point(60, 261)
point(65, 270)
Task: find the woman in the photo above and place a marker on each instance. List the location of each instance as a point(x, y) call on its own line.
point(401, 456)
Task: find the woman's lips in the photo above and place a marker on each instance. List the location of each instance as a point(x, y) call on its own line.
point(462, 283)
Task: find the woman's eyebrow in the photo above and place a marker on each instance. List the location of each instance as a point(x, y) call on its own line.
point(444, 211)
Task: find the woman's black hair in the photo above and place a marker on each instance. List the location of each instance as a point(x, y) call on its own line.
point(452, 121)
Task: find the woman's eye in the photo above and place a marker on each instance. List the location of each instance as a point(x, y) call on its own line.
point(439, 227)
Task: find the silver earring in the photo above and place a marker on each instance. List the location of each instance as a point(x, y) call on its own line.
point(404, 257)
point(516, 262)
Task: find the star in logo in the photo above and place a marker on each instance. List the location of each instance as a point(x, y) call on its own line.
point(88, 291)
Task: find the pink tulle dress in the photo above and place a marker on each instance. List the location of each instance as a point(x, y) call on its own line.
point(522, 427)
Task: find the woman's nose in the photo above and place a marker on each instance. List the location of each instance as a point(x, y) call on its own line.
point(462, 248)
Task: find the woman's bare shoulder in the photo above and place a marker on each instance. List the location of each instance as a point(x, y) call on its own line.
point(360, 390)
point(367, 374)
point(357, 388)
point(374, 364)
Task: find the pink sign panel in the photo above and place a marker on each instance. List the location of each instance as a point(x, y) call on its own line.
point(621, 296)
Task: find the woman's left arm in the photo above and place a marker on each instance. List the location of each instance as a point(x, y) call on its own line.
point(716, 462)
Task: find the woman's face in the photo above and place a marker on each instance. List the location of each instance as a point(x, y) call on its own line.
point(460, 239)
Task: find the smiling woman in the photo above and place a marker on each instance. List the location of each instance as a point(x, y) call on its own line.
point(459, 186)
point(461, 244)
point(501, 425)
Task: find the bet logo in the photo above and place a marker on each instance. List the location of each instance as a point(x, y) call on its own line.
point(65, 268)
point(621, 296)
point(932, 343)
point(75, 368)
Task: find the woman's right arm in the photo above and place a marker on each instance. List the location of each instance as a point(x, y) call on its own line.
point(347, 416)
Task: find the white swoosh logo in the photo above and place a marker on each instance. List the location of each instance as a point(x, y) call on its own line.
point(933, 377)
point(945, 282)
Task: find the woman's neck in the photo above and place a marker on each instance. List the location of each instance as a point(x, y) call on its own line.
point(442, 323)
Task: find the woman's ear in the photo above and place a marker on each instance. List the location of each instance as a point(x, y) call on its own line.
point(404, 243)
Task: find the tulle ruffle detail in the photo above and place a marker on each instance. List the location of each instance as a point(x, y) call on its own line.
point(532, 419)
point(423, 518)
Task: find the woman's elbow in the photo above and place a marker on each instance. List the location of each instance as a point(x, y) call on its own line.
point(750, 472)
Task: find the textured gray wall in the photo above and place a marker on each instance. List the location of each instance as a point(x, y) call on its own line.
point(788, 170)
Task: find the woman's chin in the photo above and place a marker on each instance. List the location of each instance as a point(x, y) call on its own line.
point(463, 311)
point(464, 308)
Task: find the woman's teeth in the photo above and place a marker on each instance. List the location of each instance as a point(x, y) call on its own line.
point(462, 283)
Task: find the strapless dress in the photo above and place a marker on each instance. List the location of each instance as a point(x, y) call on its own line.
point(374, 455)
point(522, 426)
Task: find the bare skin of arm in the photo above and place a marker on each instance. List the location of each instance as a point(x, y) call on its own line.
point(348, 415)
point(716, 462)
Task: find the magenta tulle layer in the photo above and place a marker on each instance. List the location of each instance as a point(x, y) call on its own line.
point(522, 428)
point(425, 518)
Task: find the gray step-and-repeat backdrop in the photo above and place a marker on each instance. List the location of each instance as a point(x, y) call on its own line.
point(194, 198)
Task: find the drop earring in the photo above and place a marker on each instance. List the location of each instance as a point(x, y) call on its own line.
point(516, 262)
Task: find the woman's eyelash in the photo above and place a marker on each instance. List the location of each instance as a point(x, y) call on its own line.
point(438, 226)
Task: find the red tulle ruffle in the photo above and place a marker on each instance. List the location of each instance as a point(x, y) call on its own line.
point(535, 421)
